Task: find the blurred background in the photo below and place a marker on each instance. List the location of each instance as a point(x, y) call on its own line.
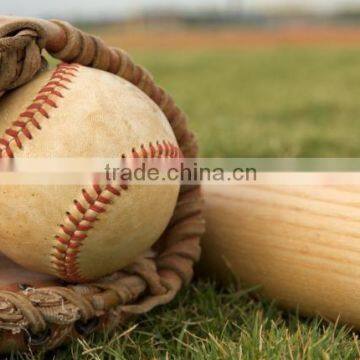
point(257, 77)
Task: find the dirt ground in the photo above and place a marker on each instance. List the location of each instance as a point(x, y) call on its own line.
point(228, 38)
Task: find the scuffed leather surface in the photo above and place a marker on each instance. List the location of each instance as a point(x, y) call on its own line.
point(99, 116)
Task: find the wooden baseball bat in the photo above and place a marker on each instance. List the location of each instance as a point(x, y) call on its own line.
point(301, 244)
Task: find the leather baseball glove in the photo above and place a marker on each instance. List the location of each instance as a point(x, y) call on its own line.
point(41, 312)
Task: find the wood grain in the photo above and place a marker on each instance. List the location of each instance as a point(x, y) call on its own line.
point(300, 243)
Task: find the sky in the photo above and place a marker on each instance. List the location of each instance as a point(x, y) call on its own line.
point(69, 9)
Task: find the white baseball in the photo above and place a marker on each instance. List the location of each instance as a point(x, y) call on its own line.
point(72, 232)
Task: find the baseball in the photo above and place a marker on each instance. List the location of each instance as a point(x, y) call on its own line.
point(74, 232)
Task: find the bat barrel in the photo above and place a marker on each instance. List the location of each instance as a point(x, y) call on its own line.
point(301, 244)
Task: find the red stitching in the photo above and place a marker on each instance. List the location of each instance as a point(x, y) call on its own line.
point(62, 78)
point(160, 148)
point(87, 197)
point(92, 203)
point(74, 231)
point(166, 149)
point(152, 151)
point(79, 207)
point(97, 209)
point(52, 91)
point(97, 188)
point(112, 190)
point(12, 137)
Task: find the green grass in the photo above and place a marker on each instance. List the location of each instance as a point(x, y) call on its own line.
point(274, 102)
point(206, 322)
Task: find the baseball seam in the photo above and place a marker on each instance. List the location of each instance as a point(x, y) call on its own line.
point(38, 110)
point(92, 202)
point(86, 211)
